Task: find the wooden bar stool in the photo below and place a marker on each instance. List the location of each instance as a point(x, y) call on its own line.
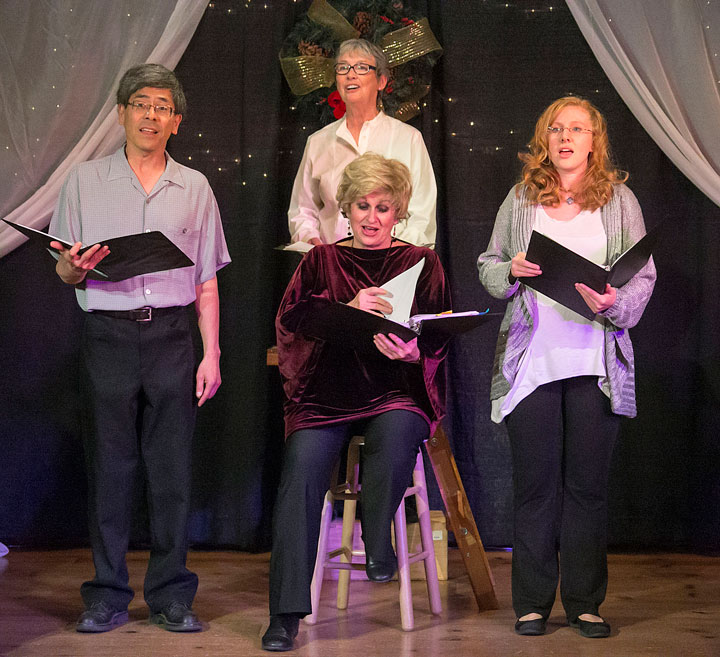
point(344, 557)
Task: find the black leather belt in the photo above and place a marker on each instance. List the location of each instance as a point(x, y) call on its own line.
point(145, 314)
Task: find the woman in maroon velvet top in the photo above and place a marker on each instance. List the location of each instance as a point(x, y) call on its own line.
point(394, 397)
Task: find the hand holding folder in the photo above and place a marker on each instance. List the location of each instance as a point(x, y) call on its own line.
point(562, 268)
point(356, 328)
point(343, 324)
point(129, 255)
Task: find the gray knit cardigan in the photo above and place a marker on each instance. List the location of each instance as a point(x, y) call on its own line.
point(624, 225)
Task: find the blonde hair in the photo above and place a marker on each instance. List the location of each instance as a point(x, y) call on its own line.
point(372, 173)
point(542, 180)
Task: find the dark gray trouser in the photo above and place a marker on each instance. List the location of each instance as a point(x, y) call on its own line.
point(562, 437)
point(139, 414)
point(392, 440)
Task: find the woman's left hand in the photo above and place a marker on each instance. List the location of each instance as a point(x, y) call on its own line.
point(595, 301)
point(395, 349)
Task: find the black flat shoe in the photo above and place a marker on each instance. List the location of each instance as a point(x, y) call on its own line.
point(100, 617)
point(176, 617)
point(534, 627)
point(379, 571)
point(280, 635)
point(590, 629)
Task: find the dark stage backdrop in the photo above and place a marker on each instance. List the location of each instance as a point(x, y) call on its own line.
point(501, 66)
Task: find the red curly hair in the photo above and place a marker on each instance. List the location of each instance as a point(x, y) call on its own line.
point(542, 180)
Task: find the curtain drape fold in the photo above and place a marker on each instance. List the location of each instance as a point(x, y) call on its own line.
point(61, 64)
point(663, 58)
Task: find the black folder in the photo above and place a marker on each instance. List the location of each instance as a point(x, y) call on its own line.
point(130, 255)
point(562, 268)
point(342, 324)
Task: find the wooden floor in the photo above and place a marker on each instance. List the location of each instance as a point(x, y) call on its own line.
point(659, 605)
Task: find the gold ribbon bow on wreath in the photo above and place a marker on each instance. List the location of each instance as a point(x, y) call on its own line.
point(307, 73)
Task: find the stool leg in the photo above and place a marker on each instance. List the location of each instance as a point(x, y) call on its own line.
point(352, 474)
point(407, 617)
point(348, 535)
point(423, 511)
point(317, 580)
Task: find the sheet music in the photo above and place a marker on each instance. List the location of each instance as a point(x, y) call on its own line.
point(402, 288)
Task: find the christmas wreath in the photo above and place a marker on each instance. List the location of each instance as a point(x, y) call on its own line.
point(308, 53)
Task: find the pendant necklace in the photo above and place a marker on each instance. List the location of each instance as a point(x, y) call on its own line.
point(569, 200)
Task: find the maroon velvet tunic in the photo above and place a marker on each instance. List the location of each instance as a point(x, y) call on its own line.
point(329, 383)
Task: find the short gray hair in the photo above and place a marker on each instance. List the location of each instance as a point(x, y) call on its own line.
point(151, 75)
point(364, 46)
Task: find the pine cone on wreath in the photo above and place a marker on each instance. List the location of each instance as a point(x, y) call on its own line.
point(311, 49)
point(363, 23)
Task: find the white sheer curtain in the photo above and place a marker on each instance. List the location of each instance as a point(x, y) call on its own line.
point(61, 62)
point(663, 57)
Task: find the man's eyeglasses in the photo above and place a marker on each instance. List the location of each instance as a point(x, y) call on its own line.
point(360, 69)
point(575, 130)
point(164, 111)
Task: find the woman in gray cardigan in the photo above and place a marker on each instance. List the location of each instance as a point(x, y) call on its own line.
point(562, 381)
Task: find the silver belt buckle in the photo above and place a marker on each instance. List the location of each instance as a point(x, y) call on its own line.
point(143, 314)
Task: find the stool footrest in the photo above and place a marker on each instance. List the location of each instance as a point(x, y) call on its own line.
point(420, 556)
point(341, 551)
point(339, 565)
point(343, 495)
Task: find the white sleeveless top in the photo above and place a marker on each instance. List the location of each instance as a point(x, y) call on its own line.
point(563, 344)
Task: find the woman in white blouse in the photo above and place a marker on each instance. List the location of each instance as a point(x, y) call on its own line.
point(561, 381)
point(361, 74)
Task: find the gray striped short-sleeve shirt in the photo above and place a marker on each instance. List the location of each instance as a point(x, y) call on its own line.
point(103, 198)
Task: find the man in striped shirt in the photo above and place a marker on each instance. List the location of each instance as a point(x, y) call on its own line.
point(138, 372)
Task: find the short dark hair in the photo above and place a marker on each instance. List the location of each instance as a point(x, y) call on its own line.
point(151, 75)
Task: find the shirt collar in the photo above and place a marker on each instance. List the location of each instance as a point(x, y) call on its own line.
point(371, 125)
point(120, 168)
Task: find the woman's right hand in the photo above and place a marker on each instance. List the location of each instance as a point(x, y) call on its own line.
point(370, 300)
point(520, 267)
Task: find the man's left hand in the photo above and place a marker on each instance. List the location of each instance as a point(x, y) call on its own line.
point(207, 379)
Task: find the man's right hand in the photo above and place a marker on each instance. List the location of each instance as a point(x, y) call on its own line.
point(71, 267)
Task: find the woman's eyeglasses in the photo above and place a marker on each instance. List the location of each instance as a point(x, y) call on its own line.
point(575, 130)
point(360, 69)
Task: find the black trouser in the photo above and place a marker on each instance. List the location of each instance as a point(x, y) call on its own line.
point(392, 440)
point(140, 413)
point(562, 437)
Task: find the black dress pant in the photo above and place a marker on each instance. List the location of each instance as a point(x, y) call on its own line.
point(562, 437)
point(140, 414)
point(392, 440)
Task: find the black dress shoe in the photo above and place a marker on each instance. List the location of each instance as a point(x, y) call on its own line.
point(100, 617)
point(379, 571)
point(591, 629)
point(176, 617)
point(281, 633)
point(534, 627)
